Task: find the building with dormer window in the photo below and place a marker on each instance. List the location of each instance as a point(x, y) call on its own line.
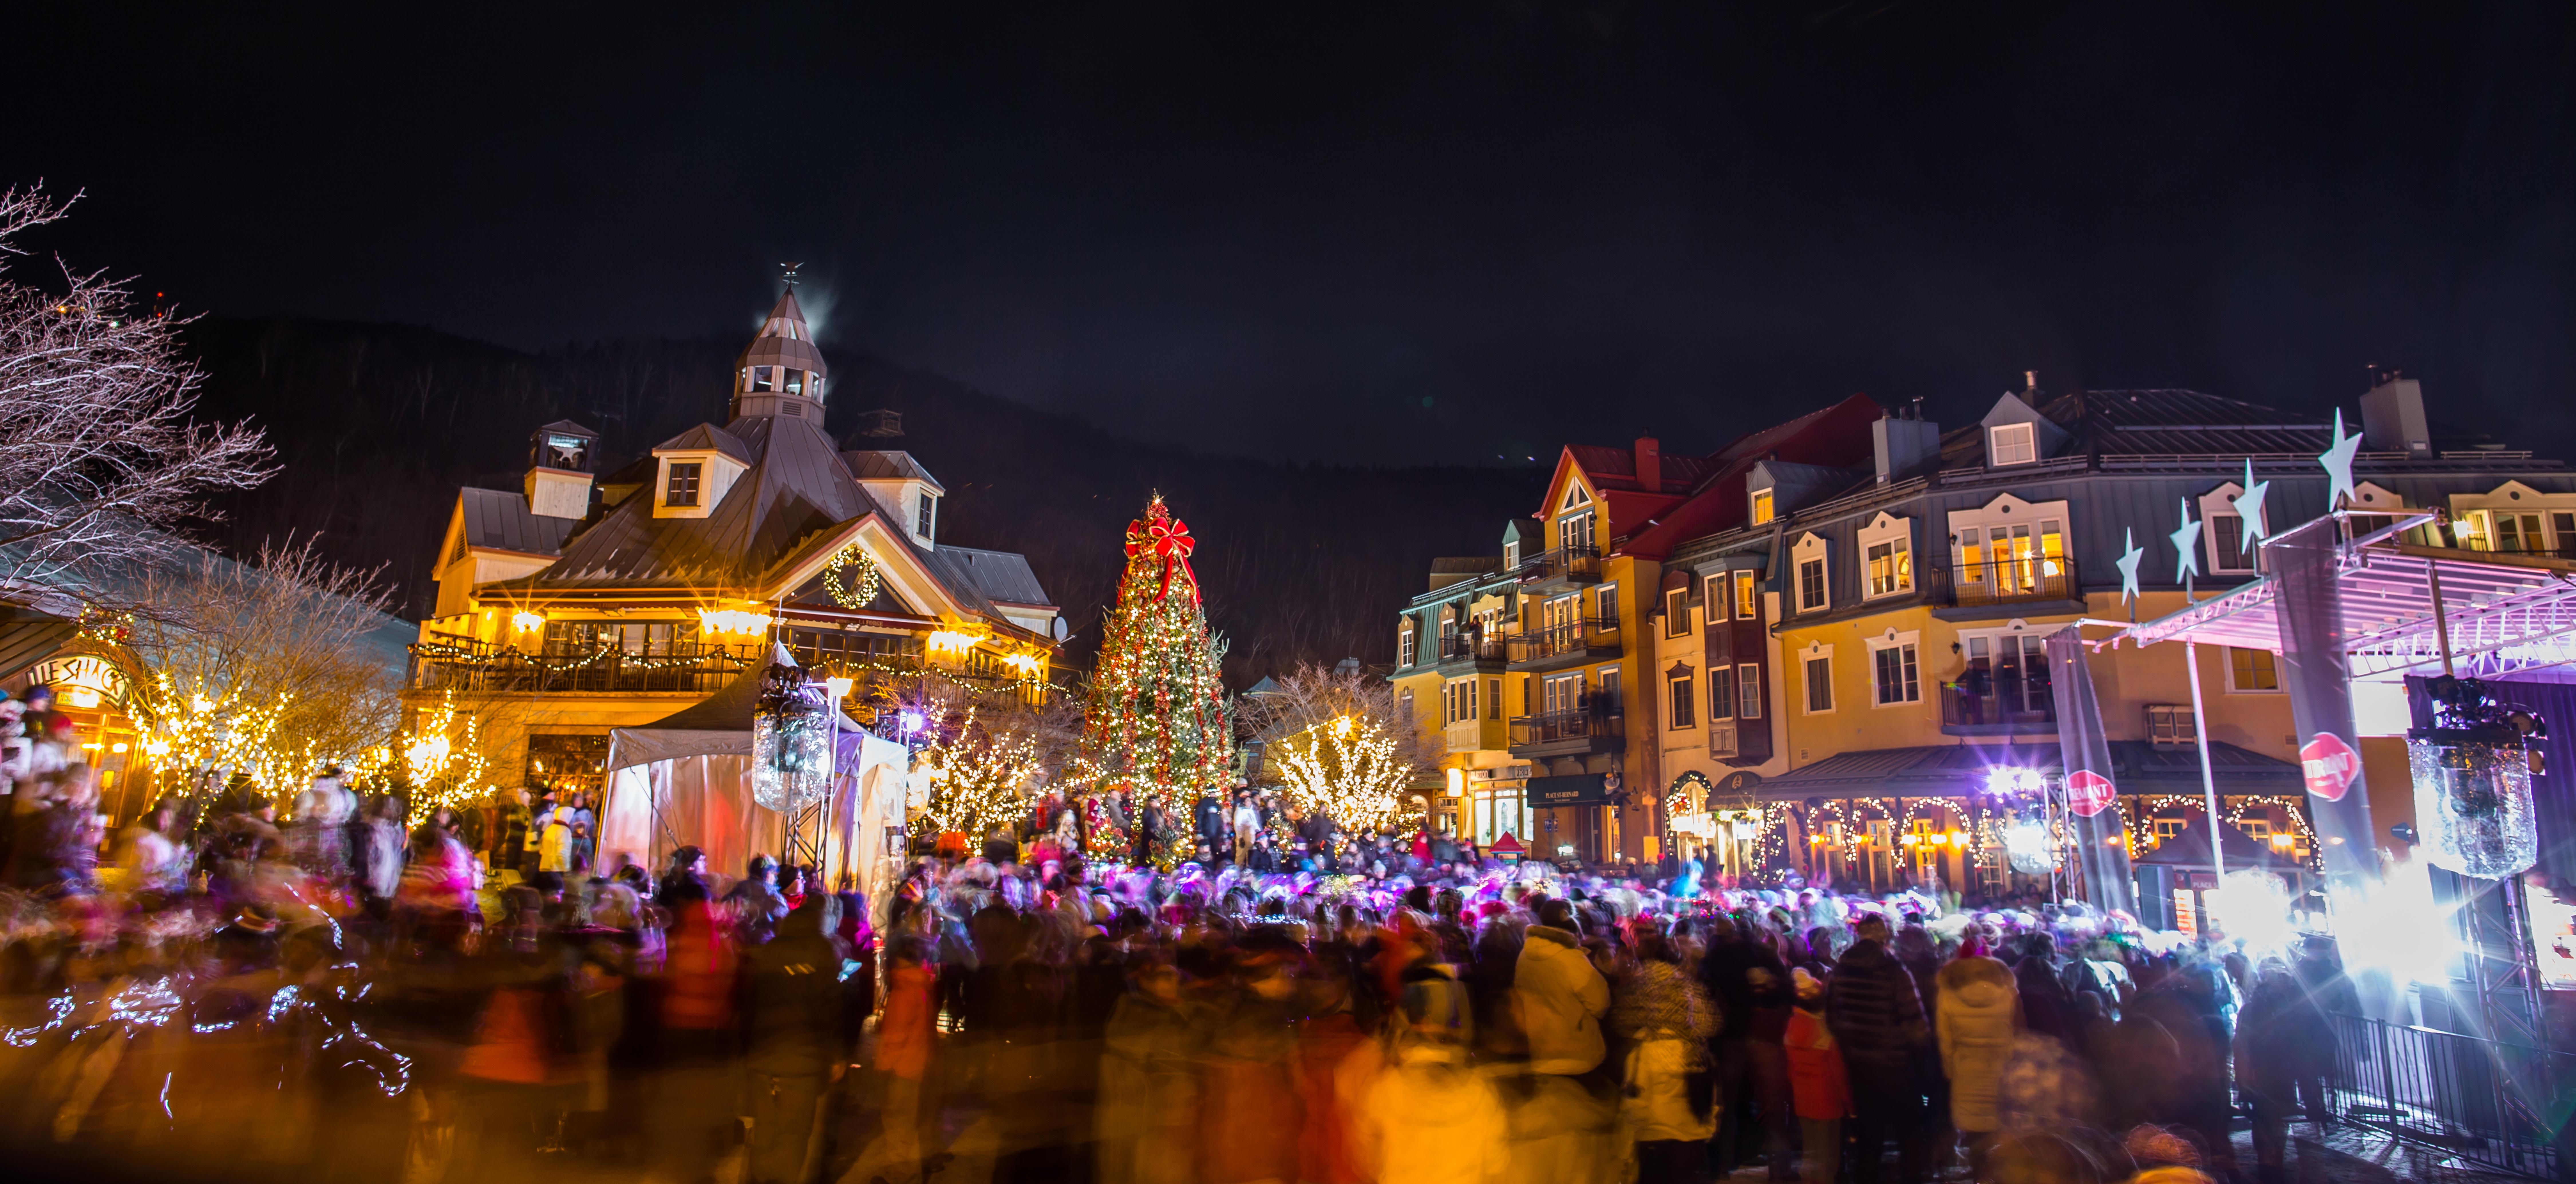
point(1907, 600)
point(587, 601)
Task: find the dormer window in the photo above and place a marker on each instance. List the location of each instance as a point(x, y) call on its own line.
point(1761, 506)
point(682, 489)
point(926, 516)
point(1511, 555)
point(2012, 444)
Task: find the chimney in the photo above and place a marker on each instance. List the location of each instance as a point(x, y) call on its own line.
point(1650, 464)
point(1904, 446)
point(2392, 415)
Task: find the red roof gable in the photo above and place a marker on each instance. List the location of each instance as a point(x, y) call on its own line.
point(1837, 436)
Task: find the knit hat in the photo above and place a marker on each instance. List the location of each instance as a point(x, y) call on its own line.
point(1809, 988)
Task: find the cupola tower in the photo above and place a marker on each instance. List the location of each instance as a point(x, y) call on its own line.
point(780, 372)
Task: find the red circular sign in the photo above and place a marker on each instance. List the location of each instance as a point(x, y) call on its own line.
point(2329, 766)
point(2088, 793)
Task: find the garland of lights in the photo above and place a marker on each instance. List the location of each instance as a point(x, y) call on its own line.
point(1347, 771)
point(975, 778)
point(870, 578)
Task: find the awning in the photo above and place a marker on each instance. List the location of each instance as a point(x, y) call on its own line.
point(2504, 612)
point(1958, 770)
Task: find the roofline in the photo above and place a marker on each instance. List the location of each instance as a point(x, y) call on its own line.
point(471, 549)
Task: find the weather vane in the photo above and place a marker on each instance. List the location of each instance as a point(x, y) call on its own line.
point(789, 272)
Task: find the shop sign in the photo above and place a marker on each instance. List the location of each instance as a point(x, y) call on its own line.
point(81, 680)
point(2088, 792)
point(2329, 766)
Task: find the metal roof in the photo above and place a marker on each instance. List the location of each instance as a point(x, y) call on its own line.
point(784, 340)
point(498, 519)
point(2504, 613)
point(889, 466)
point(999, 575)
point(707, 437)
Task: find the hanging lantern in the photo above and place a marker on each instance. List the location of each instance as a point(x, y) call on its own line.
point(791, 740)
point(2472, 775)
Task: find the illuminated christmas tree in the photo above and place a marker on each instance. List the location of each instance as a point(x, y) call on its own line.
point(1157, 722)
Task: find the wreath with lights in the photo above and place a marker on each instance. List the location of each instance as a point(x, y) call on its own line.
point(864, 593)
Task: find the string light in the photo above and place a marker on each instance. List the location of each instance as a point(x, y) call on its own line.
point(863, 591)
point(975, 778)
point(1347, 770)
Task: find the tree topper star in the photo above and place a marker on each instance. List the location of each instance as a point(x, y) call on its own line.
point(2186, 543)
point(2128, 565)
point(2338, 463)
point(2249, 507)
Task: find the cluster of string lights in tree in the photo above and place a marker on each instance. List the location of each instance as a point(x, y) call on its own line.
point(1347, 769)
point(442, 758)
point(977, 778)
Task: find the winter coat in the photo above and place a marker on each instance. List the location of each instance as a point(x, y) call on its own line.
point(1560, 1000)
point(904, 1033)
point(1978, 1013)
point(2046, 1007)
point(1875, 1011)
point(792, 1001)
point(1665, 1020)
point(1431, 1118)
point(2282, 1036)
point(1816, 1078)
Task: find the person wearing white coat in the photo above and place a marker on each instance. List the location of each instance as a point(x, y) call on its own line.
point(1978, 1013)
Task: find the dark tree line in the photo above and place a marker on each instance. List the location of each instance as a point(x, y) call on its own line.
point(376, 425)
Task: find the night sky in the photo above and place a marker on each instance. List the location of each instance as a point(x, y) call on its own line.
point(1384, 231)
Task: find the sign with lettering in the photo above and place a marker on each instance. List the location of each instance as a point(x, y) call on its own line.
point(2329, 766)
point(2088, 793)
point(80, 680)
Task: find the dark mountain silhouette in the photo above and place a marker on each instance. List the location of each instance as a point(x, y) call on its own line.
point(376, 425)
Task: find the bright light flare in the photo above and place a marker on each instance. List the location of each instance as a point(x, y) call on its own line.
point(2397, 926)
point(2253, 907)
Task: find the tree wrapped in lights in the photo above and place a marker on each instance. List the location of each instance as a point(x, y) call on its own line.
point(976, 777)
point(1349, 771)
point(441, 758)
point(1158, 719)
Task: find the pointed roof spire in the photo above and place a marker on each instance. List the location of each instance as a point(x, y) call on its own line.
point(784, 339)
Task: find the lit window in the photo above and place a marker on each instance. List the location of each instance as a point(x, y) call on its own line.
point(1820, 684)
point(683, 487)
point(1677, 622)
point(1683, 713)
point(1761, 506)
point(1511, 555)
point(1745, 604)
point(2252, 670)
point(1891, 567)
point(1605, 605)
point(2012, 445)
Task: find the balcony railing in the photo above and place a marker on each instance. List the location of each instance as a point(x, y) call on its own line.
point(2014, 580)
point(481, 667)
point(1462, 647)
point(2566, 548)
point(1579, 563)
point(1560, 726)
point(1579, 637)
point(1982, 702)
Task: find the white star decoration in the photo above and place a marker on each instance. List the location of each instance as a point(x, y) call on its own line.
point(2128, 565)
point(2338, 463)
point(2186, 543)
point(2249, 506)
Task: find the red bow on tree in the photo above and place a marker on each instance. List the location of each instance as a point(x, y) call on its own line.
point(1168, 538)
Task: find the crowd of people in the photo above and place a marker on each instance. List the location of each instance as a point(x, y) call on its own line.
point(324, 990)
